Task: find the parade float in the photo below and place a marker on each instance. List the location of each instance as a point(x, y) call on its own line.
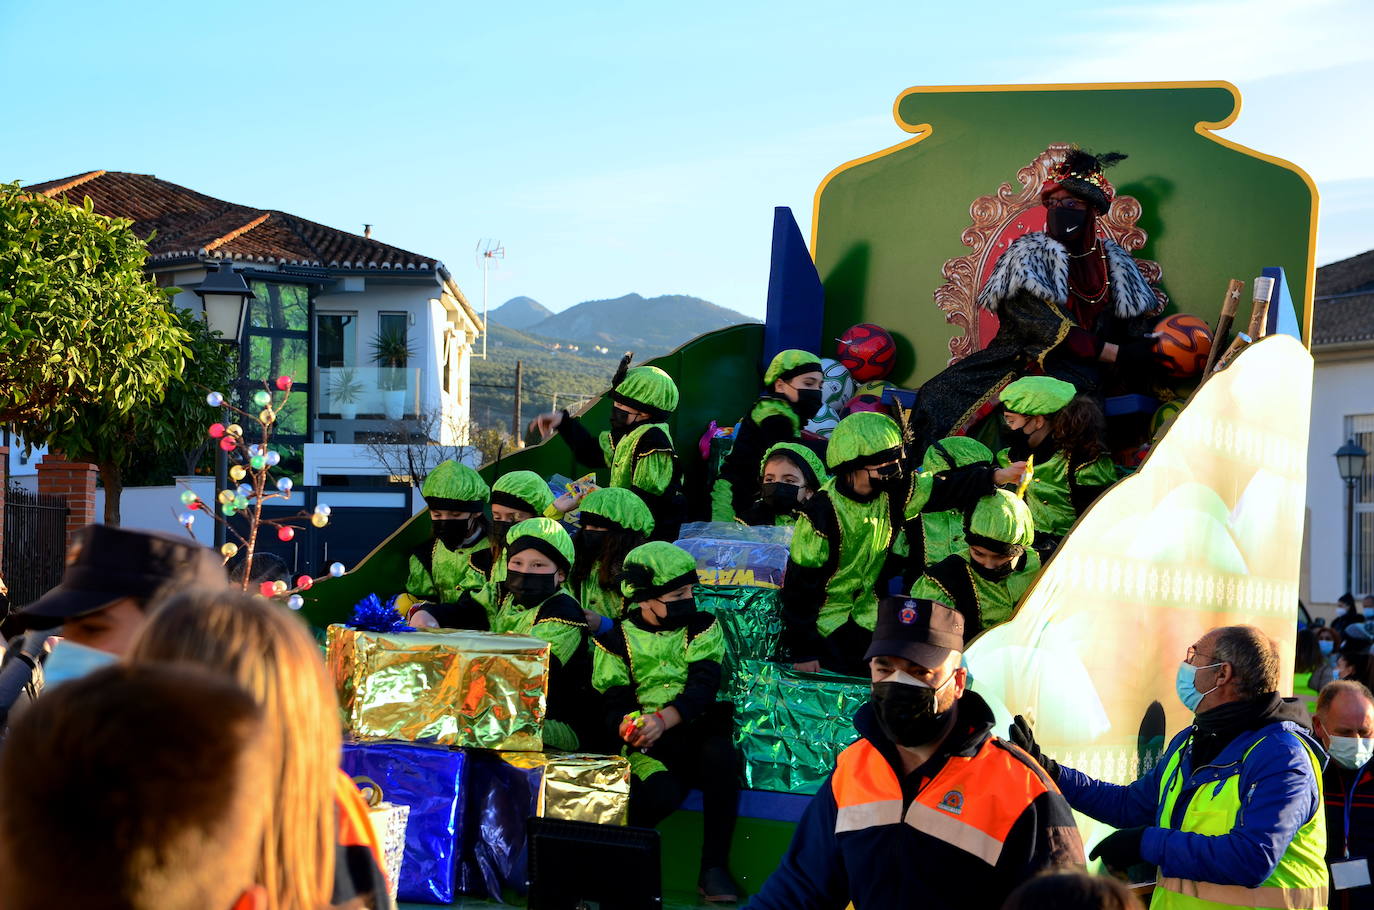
point(1205, 531)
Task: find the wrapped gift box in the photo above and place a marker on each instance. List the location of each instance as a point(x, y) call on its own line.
point(507, 788)
point(750, 621)
point(732, 554)
point(389, 823)
point(431, 783)
point(790, 727)
point(473, 689)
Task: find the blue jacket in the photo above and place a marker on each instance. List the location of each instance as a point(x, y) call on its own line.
point(1279, 796)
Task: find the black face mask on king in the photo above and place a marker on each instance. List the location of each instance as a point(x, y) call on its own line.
point(1069, 227)
point(906, 712)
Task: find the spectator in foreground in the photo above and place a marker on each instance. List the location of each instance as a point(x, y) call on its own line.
point(1072, 891)
point(928, 809)
point(315, 852)
point(138, 788)
point(1345, 725)
point(1231, 815)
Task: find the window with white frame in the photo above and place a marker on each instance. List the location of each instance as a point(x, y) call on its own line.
point(1360, 427)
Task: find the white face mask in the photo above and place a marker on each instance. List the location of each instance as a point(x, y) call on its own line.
point(1351, 752)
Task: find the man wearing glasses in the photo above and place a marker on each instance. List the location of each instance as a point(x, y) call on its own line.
point(1232, 814)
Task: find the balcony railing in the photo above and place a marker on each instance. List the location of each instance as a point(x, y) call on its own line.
point(370, 393)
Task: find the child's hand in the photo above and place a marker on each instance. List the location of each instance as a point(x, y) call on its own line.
point(546, 424)
point(1010, 474)
point(423, 619)
point(647, 731)
point(629, 725)
point(565, 503)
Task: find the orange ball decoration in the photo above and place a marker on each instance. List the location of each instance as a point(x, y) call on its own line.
point(1182, 344)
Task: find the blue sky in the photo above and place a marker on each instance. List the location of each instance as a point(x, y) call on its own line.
point(618, 147)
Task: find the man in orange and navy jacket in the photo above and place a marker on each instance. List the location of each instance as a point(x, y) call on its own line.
point(928, 809)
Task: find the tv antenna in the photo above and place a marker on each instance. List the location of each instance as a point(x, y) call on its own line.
point(487, 254)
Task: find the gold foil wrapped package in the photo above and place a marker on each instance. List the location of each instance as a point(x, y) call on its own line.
point(578, 786)
point(471, 689)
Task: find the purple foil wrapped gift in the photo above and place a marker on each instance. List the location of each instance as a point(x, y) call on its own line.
point(432, 781)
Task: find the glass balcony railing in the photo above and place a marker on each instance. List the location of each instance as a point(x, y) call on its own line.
point(372, 393)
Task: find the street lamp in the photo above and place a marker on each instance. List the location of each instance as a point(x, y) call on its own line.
point(224, 296)
point(1350, 460)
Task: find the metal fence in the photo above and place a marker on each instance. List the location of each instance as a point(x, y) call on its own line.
point(35, 544)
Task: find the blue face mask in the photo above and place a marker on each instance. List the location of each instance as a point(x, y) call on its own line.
point(72, 661)
point(1185, 683)
point(1327, 646)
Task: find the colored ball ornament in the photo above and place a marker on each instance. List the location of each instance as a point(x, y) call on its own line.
point(228, 444)
point(867, 351)
point(273, 459)
point(1182, 344)
point(240, 502)
point(1165, 416)
point(284, 485)
point(234, 430)
point(262, 398)
point(214, 399)
point(187, 497)
point(228, 510)
point(229, 550)
point(305, 582)
point(216, 430)
point(324, 510)
point(266, 416)
point(257, 462)
point(254, 449)
point(225, 496)
point(336, 569)
point(238, 472)
point(279, 587)
point(187, 519)
point(319, 520)
point(245, 490)
point(285, 533)
point(295, 601)
point(267, 588)
point(283, 383)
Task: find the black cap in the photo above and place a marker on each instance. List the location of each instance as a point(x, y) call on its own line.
point(106, 564)
point(922, 631)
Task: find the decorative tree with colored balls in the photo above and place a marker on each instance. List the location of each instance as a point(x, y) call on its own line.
point(251, 465)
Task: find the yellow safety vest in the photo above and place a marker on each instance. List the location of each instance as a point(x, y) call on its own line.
point(1299, 881)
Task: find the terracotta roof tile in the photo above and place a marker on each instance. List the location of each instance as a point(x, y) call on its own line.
point(1343, 311)
point(183, 223)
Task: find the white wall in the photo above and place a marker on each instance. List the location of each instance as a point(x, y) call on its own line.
point(157, 508)
point(1343, 385)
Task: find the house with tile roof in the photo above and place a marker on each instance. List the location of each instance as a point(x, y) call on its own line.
point(378, 338)
point(1342, 409)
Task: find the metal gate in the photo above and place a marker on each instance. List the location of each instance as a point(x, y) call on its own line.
point(35, 544)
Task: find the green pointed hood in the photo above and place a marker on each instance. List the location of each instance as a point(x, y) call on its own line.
point(545, 535)
point(656, 568)
point(621, 507)
point(806, 461)
point(862, 439)
point(955, 452)
point(790, 363)
point(523, 490)
point(1001, 522)
point(453, 485)
point(647, 389)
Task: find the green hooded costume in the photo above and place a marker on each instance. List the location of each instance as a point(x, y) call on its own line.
point(641, 456)
point(442, 570)
point(524, 491)
point(639, 666)
point(772, 419)
point(955, 474)
point(841, 548)
point(625, 518)
point(1062, 486)
point(813, 473)
point(1002, 523)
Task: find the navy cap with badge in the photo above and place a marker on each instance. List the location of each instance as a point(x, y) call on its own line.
point(922, 631)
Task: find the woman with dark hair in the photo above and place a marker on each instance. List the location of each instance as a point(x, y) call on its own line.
point(1072, 891)
point(1328, 643)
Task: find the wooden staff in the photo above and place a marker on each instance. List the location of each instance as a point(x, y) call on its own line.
point(1259, 310)
point(1229, 305)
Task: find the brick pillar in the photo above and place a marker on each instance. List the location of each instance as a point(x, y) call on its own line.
point(74, 481)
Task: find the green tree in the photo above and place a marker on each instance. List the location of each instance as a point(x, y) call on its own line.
point(81, 325)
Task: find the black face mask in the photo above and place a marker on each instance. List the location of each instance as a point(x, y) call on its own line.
point(997, 574)
point(907, 713)
point(589, 545)
point(888, 477)
point(808, 403)
point(499, 530)
point(453, 533)
point(782, 497)
point(679, 613)
point(621, 423)
point(1017, 442)
point(1068, 226)
point(528, 589)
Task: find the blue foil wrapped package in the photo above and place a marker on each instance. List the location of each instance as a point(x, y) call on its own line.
point(433, 782)
point(503, 794)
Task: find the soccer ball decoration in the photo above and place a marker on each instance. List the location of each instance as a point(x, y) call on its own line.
point(1182, 343)
point(867, 351)
point(837, 387)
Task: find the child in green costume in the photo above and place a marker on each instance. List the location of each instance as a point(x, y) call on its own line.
point(986, 581)
point(955, 473)
point(792, 397)
point(614, 522)
point(841, 554)
point(789, 475)
point(533, 599)
point(1047, 419)
point(638, 447)
point(659, 670)
point(515, 497)
point(441, 570)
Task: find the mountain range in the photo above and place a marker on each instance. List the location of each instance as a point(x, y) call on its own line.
point(645, 325)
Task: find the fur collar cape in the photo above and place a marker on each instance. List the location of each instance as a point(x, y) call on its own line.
point(1038, 265)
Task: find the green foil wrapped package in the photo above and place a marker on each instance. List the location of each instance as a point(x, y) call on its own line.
point(750, 620)
point(790, 727)
point(471, 689)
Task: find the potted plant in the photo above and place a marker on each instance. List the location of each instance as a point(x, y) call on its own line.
point(345, 391)
point(391, 351)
